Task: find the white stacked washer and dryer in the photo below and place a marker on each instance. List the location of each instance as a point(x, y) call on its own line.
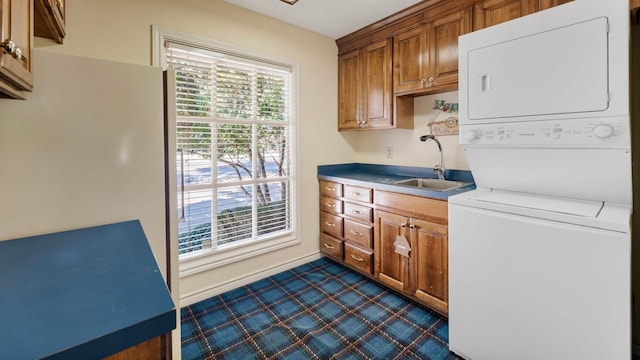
point(539, 253)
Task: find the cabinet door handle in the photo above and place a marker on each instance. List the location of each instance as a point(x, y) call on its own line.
point(356, 212)
point(357, 258)
point(356, 194)
point(329, 246)
point(329, 189)
point(330, 224)
point(356, 233)
point(13, 50)
point(330, 205)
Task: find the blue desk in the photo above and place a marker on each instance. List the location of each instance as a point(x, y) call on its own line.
point(81, 294)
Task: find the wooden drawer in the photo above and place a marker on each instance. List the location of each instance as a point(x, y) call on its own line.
point(358, 193)
point(331, 246)
point(357, 233)
point(358, 212)
point(409, 205)
point(358, 258)
point(330, 205)
point(331, 224)
point(330, 189)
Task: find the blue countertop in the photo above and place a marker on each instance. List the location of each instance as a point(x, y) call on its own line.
point(81, 294)
point(383, 177)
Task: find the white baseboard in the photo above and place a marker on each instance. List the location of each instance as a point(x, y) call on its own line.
point(203, 294)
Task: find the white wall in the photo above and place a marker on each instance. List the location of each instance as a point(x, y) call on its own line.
point(121, 30)
point(370, 146)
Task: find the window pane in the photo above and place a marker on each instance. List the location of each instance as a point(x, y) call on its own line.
point(234, 152)
point(274, 214)
point(194, 226)
point(194, 153)
point(193, 87)
point(234, 214)
point(233, 155)
point(233, 90)
point(271, 92)
point(273, 152)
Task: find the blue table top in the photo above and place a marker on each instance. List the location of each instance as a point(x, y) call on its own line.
point(383, 177)
point(81, 294)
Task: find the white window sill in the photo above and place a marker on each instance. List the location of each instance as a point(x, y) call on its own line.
point(214, 259)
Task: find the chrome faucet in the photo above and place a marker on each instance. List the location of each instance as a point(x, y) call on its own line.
point(437, 169)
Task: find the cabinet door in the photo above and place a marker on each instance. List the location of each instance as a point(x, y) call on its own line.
point(546, 4)
point(410, 59)
point(392, 269)
point(349, 90)
point(15, 68)
point(443, 48)
point(50, 19)
point(430, 263)
point(378, 92)
point(492, 12)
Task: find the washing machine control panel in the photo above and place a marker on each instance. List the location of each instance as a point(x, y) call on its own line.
point(575, 132)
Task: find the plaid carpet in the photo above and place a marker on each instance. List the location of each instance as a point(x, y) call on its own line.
point(319, 310)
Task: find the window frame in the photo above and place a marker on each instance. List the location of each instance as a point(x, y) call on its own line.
point(203, 261)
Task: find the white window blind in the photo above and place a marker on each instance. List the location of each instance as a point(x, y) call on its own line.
point(234, 136)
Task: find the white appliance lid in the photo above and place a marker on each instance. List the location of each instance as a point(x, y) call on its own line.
point(575, 207)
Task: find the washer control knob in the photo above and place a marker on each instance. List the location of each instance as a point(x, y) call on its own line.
point(471, 135)
point(603, 131)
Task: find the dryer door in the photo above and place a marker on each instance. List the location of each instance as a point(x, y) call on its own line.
point(561, 71)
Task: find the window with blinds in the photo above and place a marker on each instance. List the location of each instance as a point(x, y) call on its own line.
point(234, 145)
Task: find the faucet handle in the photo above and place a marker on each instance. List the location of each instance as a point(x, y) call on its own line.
point(438, 170)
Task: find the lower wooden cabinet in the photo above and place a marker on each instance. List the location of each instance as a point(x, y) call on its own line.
point(346, 229)
point(393, 269)
point(424, 273)
point(359, 258)
point(155, 348)
point(359, 227)
point(429, 265)
point(331, 246)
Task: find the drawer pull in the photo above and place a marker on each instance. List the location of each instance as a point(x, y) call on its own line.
point(329, 246)
point(356, 212)
point(356, 233)
point(330, 205)
point(329, 189)
point(357, 258)
point(330, 224)
point(356, 194)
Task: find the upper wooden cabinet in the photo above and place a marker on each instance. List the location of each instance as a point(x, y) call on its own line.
point(426, 58)
point(50, 19)
point(19, 22)
point(545, 4)
point(349, 90)
point(365, 89)
point(492, 12)
point(15, 53)
point(377, 89)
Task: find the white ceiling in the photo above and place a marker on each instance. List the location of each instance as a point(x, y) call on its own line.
point(333, 18)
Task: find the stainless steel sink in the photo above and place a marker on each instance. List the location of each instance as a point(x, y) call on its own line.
point(432, 184)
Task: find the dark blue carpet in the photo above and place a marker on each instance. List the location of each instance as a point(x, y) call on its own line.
point(319, 310)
